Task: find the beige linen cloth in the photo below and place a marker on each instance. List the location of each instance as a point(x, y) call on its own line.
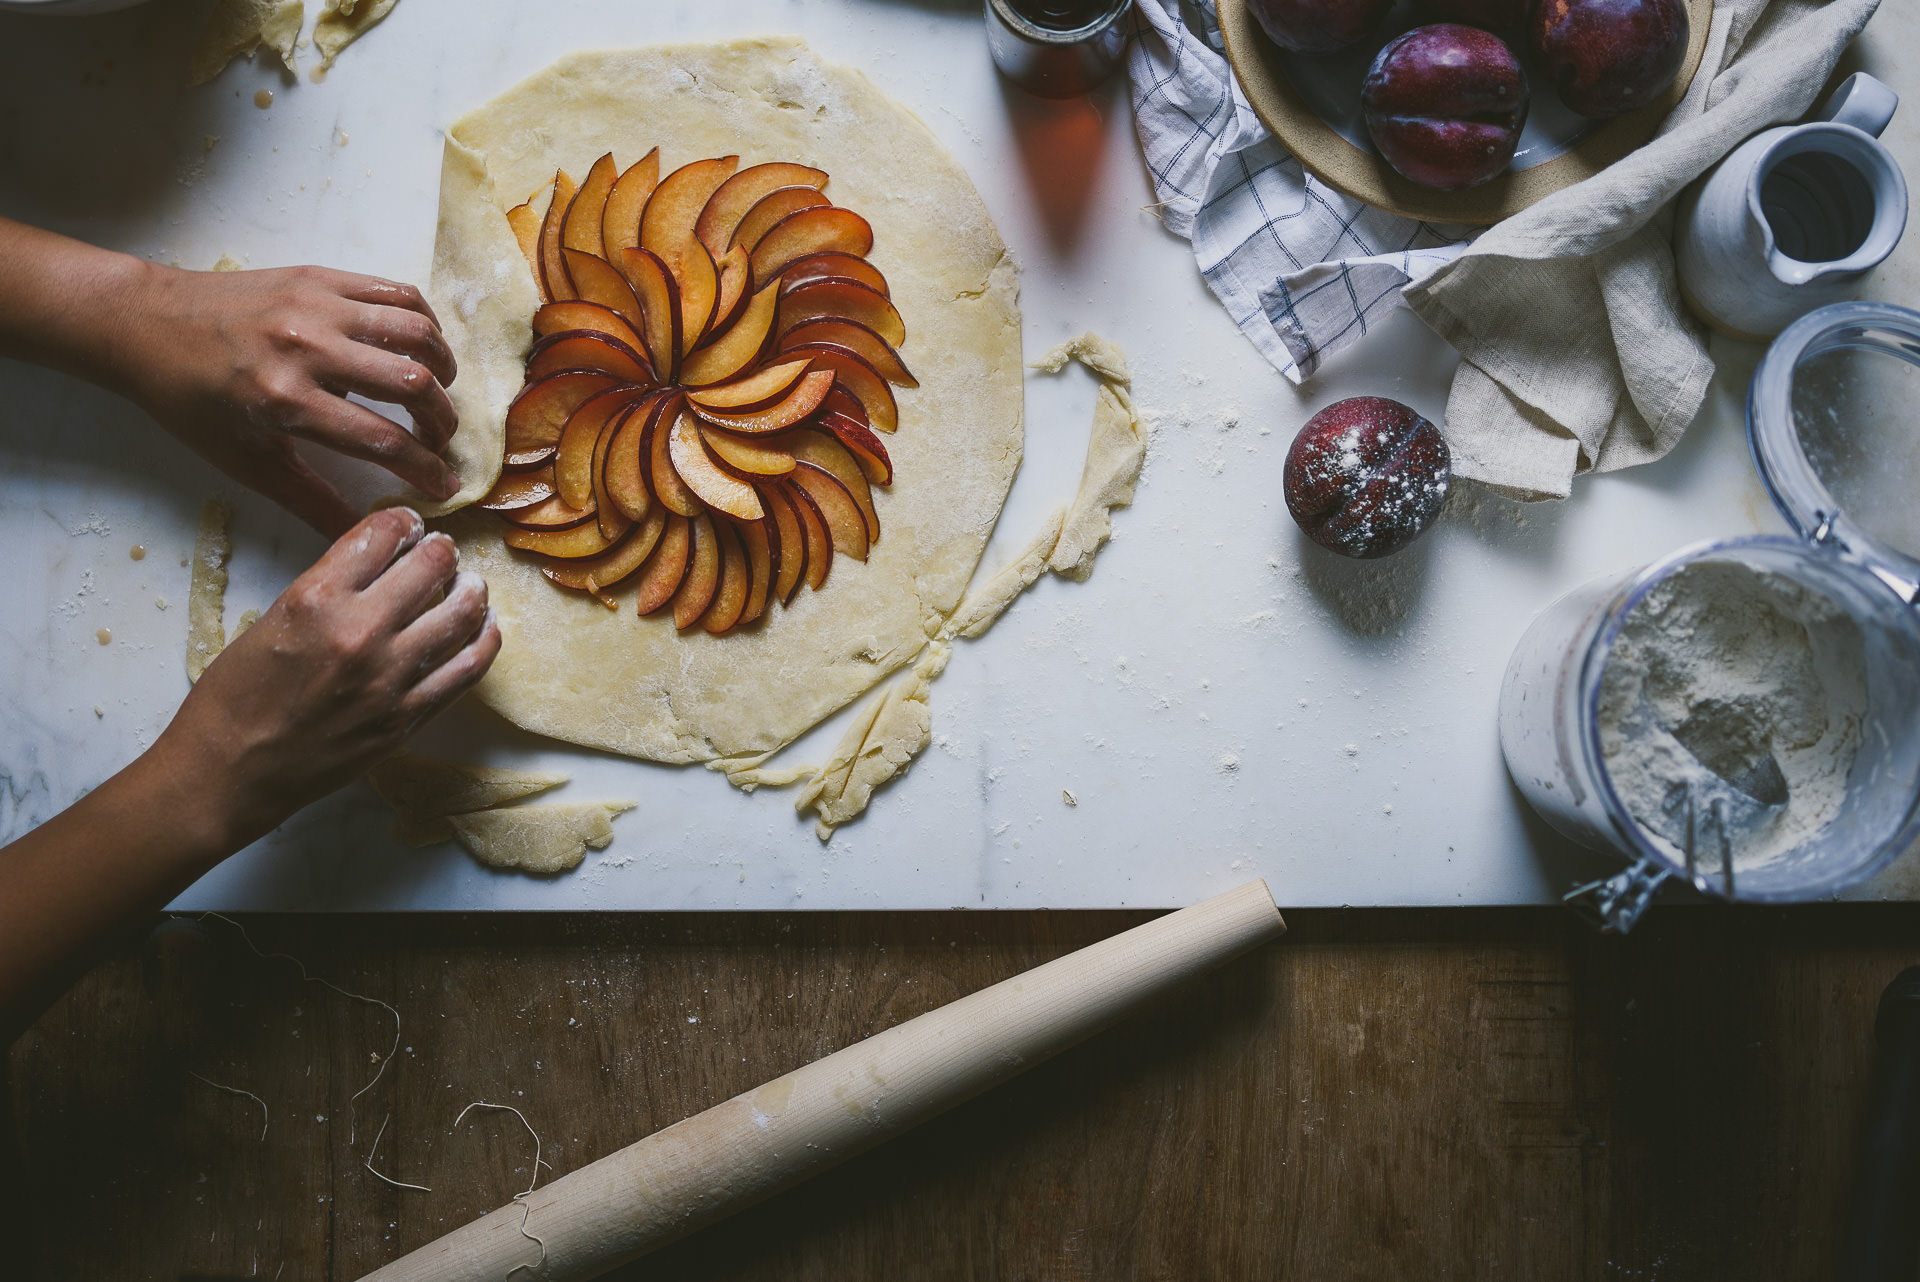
point(1577, 354)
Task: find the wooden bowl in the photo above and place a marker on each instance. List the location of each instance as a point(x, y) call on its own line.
point(1312, 105)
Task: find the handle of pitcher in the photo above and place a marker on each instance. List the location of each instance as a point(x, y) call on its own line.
point(1861, 101)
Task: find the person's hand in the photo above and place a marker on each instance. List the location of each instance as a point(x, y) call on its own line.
point(238, 365)
point(355, 656)
point(351, 659)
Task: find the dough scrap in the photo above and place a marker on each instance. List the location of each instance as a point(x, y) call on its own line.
point(425, 791)
point(881, 743)
point(750, 774)
point(1066, 544)
point(544, 838)
point(207, 587)
point(986, 603)
point(1116, 449)
point(344, 21)
point(238, 27)
point(1101, 355)
point(898, 725)
point(573, 670)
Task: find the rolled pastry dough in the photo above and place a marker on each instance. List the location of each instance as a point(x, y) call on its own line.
point(569, 667)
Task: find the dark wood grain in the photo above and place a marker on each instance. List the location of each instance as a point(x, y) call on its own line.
point(1482, 1094)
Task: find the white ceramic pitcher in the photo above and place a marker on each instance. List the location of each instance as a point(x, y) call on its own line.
point(1793, 216)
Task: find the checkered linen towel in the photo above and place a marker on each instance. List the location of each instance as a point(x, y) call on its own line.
point(1576, 352)
point(1303, 270)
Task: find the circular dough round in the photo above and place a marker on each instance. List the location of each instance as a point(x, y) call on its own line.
point(569, 667)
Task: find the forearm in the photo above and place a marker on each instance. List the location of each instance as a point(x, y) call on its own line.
point(122, 851)
point(378, 637)
point(66, 304)
point(239, 365)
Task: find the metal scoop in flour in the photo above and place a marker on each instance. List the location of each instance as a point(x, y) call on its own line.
point(1748, 768)
point(1741, 792)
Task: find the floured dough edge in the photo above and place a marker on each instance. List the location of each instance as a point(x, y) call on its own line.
point(207, 587)
point(425, 791)
point(236, 28)
point(571, 670)
point(344, 21)
point(545, 838)
point(883, 740)
point(898, 724)
point(485, 297)
point(438, 801)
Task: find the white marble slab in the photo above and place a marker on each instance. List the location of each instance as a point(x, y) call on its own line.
point(1221, 698)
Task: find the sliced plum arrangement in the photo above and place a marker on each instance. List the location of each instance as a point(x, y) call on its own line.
point(707, 391)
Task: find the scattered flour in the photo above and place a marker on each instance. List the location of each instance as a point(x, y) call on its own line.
point(1737, 663)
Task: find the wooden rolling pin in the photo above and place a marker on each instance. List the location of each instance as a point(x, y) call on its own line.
point(757, 1144)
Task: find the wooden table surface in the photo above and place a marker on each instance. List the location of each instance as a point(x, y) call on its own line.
point(1478, 1094)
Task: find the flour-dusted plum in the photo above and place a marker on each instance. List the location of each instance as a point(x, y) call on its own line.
point(1607, 57)
point(1498, 15)
point(1316, 26)
point(1445, 104)
point(1366, 476)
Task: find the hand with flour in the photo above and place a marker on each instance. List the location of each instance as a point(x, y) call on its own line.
point(378, 637)
point(240, 365)
point(355, 656)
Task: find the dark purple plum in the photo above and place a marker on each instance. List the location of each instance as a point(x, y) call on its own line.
point(1607, 57)
point(1497, 15)
point(1445, 104)
point(1316, 26)
point(1366, 476)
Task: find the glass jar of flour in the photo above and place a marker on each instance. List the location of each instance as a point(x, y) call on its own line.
point(1745, 714)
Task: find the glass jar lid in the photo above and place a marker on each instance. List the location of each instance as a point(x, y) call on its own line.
point(1833, 417)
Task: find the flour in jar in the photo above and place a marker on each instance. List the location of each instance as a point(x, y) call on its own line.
point(1717, 668)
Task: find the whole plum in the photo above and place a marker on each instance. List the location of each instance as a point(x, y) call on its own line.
point(1316, 26)
point(1499, 15)
point(1366, 476)
point(1607, 57)
point(1445, 104)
